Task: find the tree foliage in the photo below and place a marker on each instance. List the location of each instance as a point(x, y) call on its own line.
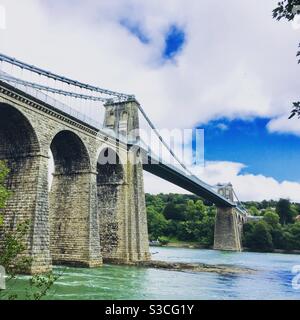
point(278, 229)
point(258, 236)
point(286, 9)
point(181, 217)
point(4, 193)
point(271, 218)
point(284, 211)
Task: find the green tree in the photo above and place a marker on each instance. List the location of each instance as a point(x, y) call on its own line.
point(284, 211)
point(257, 236)
point(187, 230)
point(155, 201)
point(254, 211)
point(174, 212)
point(194, 210)
point(292, 232)
point(205, 233)
point(271, 218)
point(295, 210)
point(157, 223)
point(4, 193)
point(278, 237)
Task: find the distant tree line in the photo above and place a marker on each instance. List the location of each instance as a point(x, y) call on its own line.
point(177, 217)
point(279, 227)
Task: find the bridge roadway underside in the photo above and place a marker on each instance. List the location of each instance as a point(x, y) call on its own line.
point(186, 182)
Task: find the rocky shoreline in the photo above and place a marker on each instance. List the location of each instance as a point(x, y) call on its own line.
point(194, 267)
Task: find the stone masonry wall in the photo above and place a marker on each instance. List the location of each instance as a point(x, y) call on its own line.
point(70, 217)
point(127, 213)
point(227, 233)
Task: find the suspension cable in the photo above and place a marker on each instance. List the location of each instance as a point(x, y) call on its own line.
point(163, 141)
point(49, 89)
point(57, 77)
point(239, 202)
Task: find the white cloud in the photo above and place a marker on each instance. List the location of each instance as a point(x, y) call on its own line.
point(222, 126)
point(283, 124)
point(155, 185)
point(227, 68)
point(247, 186)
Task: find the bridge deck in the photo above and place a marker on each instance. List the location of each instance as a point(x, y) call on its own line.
point(190, 183)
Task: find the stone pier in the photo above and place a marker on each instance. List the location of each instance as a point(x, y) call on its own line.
point(228, 232)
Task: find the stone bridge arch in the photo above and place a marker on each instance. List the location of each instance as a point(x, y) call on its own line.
point(27, 179)
point(72, 200)
point(69, 153)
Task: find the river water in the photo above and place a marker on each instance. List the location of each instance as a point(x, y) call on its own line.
point(272, 279)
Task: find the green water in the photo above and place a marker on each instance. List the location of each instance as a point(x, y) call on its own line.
point(272, 280)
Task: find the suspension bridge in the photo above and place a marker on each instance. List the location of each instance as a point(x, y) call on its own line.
point(100, 205)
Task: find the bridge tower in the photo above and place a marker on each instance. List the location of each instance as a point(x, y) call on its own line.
point(227, 230)
point(121, 199)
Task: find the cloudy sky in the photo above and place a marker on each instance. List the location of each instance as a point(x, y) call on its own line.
point(224, 66)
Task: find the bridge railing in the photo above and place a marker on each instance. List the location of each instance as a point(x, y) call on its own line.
point(39, 95)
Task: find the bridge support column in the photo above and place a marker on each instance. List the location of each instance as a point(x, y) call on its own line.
point(28, 202)
point(227, 233)
point(111, 199)
point(138, 240)
point(127, 217)
point(122, 214)
point(73, 220)
point(74, 226)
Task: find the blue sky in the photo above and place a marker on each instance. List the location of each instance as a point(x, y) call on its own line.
point(250, 142)
point(135, 29)
point(174, 42)
point(174, 37)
